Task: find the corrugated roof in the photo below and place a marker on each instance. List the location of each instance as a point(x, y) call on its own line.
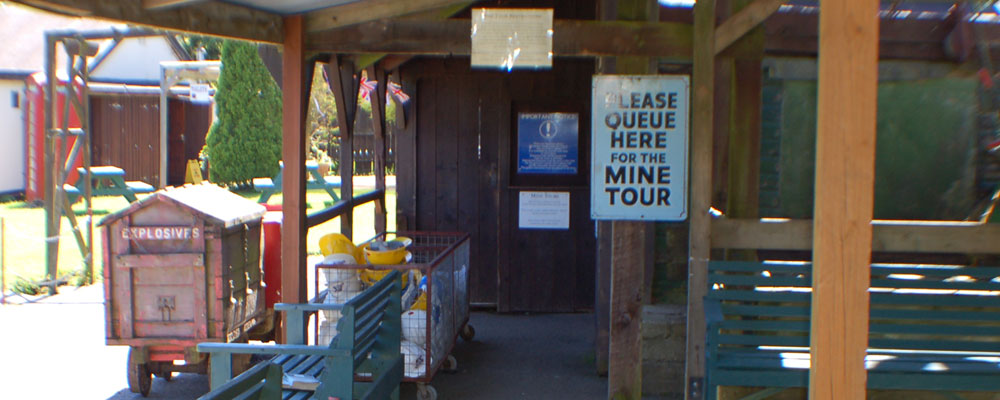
point(23, 31)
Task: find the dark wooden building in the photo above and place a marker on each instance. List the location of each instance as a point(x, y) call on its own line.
point(458, 172)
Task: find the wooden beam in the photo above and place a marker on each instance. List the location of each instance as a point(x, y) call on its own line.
point(370, 10)
point(702, 114)
point(293, 112)
point(887, 236)
point(743, 21)
point(158, 4)
point(844, 199)
point(210, 17)
point(377, 73)
point(572, 38)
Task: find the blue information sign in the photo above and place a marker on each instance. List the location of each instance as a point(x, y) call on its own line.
point(547, 143)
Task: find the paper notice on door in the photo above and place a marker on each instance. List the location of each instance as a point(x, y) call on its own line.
point(543, 210)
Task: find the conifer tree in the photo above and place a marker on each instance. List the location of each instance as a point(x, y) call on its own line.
point(245, 140)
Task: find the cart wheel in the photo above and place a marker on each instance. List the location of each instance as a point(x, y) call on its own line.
point(450, 364)
point(426, 392)
point(467, 333)
point(139, 378)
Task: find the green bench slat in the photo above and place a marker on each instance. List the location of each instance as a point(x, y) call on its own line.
point(877, 312)
point(922, 284)
point(140, 186)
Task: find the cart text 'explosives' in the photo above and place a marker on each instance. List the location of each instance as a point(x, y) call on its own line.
point(160, 233)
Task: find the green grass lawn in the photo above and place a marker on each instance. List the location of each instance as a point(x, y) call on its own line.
point(23, 247)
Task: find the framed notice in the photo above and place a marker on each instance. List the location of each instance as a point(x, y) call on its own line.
point(639, 128)
point(509, 38)
point(543, 210)
point(547, 143)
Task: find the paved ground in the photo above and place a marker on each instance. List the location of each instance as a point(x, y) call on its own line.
point(54, 349)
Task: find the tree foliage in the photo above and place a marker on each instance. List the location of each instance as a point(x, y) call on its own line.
point(245, 141)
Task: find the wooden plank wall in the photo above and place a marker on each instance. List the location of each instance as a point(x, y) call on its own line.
point(126, 134)
point(447, 180)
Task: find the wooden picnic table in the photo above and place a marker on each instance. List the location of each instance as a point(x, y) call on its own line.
point(107, 180)
point(314, 180)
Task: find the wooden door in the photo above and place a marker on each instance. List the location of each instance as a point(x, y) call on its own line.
point(548, 270)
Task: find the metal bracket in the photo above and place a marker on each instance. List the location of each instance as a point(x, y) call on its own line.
point(166, 304)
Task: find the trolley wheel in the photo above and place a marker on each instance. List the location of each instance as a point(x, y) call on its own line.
point(426, 392)
point(450, 364)
point(467, 333)
point(139, 378)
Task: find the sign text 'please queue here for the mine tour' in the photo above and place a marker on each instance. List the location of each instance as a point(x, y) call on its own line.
point(640, 147)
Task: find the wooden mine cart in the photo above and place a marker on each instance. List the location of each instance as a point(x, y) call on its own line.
point(181, 266)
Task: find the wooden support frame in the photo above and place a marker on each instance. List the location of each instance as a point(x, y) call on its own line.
point(371, 10)
point(743, 21)
point(702, 115)
point(377, 72)
point(844, 200)
point(58, 168)
point(631, 253)
point(206, 17)
point(344, 83)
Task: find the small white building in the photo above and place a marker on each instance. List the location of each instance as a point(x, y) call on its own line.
point(129, 61)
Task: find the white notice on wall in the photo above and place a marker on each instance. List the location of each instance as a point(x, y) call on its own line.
point(508, 38)
point(199, 93)
point(543, 210)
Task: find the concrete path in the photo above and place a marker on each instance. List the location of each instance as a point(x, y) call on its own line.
point(54, 348)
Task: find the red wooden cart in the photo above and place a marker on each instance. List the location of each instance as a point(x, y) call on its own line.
point(182, 266)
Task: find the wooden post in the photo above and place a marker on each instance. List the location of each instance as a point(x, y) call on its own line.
point(630, 255)
point(344, 85)
point(842, 233)
point(743, 178)
point(377, 73)
point(52, 216)
point(702, 114)
point(293, 238)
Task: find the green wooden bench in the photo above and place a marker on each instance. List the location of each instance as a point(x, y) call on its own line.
point(931, 327)
point(367, 346)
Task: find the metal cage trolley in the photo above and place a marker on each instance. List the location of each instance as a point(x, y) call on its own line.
point(435, 299)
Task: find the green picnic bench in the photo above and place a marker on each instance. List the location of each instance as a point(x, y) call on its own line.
point(106, 181)
point(367, 346)
point(931, 327)
point(314, 180)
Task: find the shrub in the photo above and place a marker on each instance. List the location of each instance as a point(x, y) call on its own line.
point(245, 141)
